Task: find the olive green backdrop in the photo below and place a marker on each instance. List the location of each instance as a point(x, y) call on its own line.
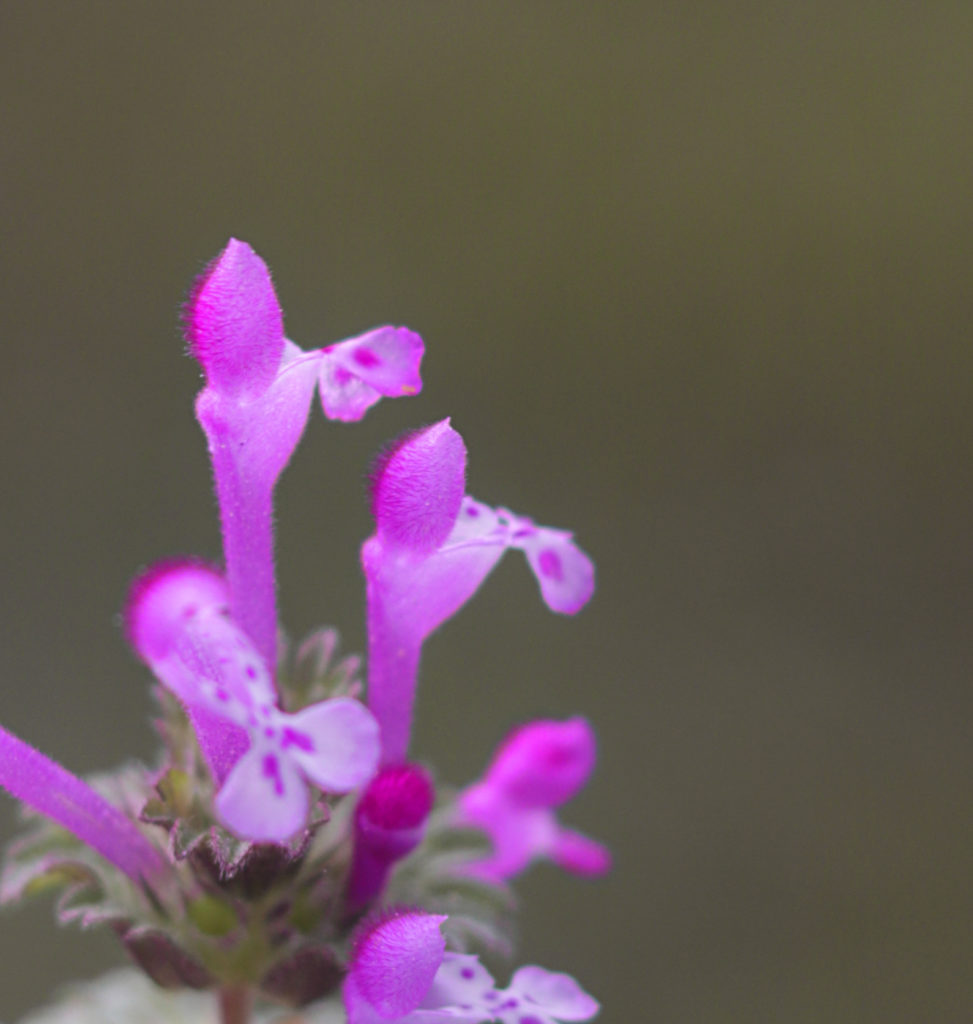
point(695, 281)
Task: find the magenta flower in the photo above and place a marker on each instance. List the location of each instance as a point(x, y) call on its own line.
point(433, 546)
point(255, 405)
point(178, 622)
point(537, 768)
point(400, 973)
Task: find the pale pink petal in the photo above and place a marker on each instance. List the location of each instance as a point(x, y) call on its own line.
point(234, 323)
point(215, 648)
point(565, 573)
point(557, 994)
point(476, 522)
point(336, 743)
point(461, 979)
point(344, 397)
point(264, 799)
point(357, 372)
point(580, 855)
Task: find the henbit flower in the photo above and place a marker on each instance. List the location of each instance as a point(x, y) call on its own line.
point(390, 821)
point(178, 622)
point(255, 405)
point(400, 973)
point(49, 789)
point(538, 767)
point(433, 546)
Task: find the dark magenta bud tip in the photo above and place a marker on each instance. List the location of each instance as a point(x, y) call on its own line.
point(399, 797)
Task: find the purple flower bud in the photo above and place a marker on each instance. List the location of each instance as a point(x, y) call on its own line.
point(390, 822)
point(400, 973)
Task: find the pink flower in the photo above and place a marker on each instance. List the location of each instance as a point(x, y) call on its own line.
point(178, 622)
point(400, 973)
point(255, 406)
point(536, 769)
point(433, 546)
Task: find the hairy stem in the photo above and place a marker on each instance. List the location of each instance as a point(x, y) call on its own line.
point(236, 1003)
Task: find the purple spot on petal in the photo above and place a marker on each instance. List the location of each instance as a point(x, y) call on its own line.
point(492, 997)
point(472, 510)
point(251, 672)
point(272, 771)
point(222, 695)
point(510, 1004)
point(550, 564)
point(302, 741)
point(365, 357)
point(531, 1019)
point(468, 973)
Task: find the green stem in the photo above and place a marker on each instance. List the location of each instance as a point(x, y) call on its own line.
point(235, 1004)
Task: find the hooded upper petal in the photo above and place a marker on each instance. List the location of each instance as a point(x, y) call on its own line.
point(234, 323)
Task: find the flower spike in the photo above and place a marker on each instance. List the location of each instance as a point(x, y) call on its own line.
point(255, 405)
point(431, 550)
point(537, 768)
point(401, 974)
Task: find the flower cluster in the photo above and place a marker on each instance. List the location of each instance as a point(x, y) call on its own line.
point(285, 844)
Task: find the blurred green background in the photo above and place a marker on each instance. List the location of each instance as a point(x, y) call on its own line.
point(694, 281)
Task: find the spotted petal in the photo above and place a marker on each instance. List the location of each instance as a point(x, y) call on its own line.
point(356, 373)
point(335, 743)
point(566, 575)
point(264, 798)
point(557, 994)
